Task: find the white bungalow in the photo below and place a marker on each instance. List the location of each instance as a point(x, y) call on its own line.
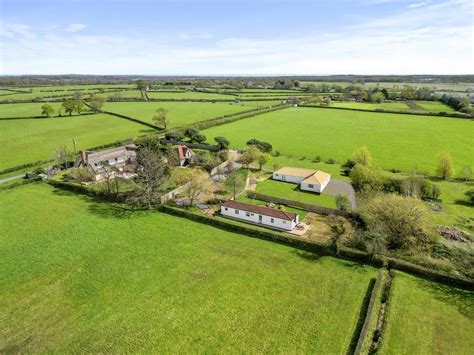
point(267, 216)
point(308, 179)
point(316, 182)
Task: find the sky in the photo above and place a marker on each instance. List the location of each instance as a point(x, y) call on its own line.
point(228, 37)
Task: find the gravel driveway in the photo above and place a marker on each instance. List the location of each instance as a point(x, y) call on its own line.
point(341, 187)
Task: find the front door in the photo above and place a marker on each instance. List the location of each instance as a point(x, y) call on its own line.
point(260, 219)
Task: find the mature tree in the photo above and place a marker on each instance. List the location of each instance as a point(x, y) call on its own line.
point(190, 132)
point(249, 156)
point(445, 166)
point(403, 221)
point(466, 173)
point(161, 117)
point(366, 178)
point(235, 182)
point(69, 106)
point(262, 146)
point(261, 159)
point(142, 84)
point(152, 172)
point(176, 136)
point(62, 156)
point(47, 110)
point(79, 106)
point(222, 142)
point(199, 184)
point(198, 138)
point(96, 103)
point(377, 97)
point(108, 173)
point(326, 101)
point(362, 156)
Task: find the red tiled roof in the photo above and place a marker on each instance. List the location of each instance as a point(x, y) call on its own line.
point(267, 211)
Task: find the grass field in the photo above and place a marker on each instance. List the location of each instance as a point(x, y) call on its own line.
point(370, 106)
point(434, 106)
point(85, 276)
point(25, 109)
point(395, 140)
point(180, 113)
point(28, 140)
point(189, 95)
point(292, 192)
point(428, 318)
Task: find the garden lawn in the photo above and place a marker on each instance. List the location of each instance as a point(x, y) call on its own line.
point(293, 192)
point(180, 113)
point(26, 109)
point(28, 140)
point(395, 140)
point(81, 276)
point(428, 318)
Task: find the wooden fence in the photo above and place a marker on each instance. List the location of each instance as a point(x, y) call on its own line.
point(297, 204)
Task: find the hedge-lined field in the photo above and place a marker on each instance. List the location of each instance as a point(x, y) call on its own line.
point(179, 113)
point(434, 106)
point(428, 318)
point(26, 109)
point(28, 140)
point(369, 106)
point(395, 140)
point(84, 276)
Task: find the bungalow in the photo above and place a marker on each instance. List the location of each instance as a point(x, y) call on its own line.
point(267, 216)
point(121, 159)
point(185, 154)
point(308, 179)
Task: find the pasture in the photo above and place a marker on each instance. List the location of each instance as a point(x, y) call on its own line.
point(86, 276)
point(428, 318)
point(370, 106)
point(395, 140)
point(179, 113)
point(26, 109)
point(28, 140)
point(434, 106)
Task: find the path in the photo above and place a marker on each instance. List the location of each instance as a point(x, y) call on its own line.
point(12, 178)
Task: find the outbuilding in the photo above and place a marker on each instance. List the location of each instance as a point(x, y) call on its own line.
point(267, 216)
point(308, 179)
point(316, 182)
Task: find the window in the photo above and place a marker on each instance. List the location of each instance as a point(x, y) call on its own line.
point(226, 209)
point(236, 211)
point(253, 214)
point(284, 222)
point(311, 186)
point(272, 220)
point(247, 214)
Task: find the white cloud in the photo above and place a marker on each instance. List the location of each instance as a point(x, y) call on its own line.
point(75, 27)
point(417, 4)
point(433, 39)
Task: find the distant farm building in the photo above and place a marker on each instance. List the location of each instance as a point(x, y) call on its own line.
point(267, 216)
point(308, 179)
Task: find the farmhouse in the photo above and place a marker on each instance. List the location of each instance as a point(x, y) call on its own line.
point(270, 217)
point(308, 179)
point(120, 159)
point(185, 154)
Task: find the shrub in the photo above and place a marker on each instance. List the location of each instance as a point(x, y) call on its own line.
point(317, 159)
point(330, 161)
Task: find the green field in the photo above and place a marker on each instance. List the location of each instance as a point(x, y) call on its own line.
point(427, 318)
point(395, 140)
point(25, 109)
point(292, 192)
point(28, 140)
point(370, 106)
point(189, 95)
point(434, 106)
point(80, 276)
point(180, 113)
